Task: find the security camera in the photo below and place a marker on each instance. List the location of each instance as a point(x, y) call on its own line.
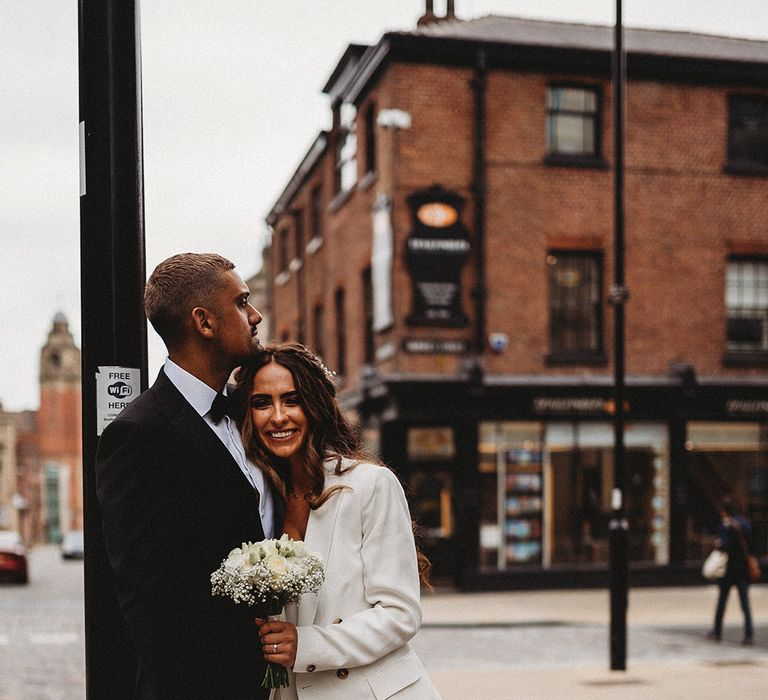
point(498, 342)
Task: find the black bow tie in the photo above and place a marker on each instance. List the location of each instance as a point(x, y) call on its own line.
point(222, 406)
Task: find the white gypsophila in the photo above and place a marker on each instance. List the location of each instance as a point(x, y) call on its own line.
point(270, 570)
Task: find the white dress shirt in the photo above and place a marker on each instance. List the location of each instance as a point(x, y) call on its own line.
point(200, 396)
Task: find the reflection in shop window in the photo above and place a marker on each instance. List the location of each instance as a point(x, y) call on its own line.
point(427, 444)
point(578, 469)
point(431, 502)
point(428, 450)
point(725, 459)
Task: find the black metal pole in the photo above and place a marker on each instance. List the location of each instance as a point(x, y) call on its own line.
point(619, 535)
point(112, 283)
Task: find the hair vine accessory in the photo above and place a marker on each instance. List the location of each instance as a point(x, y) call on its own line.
point(329, 373)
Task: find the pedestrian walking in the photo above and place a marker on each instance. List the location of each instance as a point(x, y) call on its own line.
point(735, 538)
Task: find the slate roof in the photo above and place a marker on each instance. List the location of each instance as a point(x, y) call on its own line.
point(515, 30)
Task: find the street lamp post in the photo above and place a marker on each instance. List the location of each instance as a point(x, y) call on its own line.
point(112, 283)
point(619, 529)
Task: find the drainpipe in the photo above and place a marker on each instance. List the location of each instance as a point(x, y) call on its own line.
point(478, 84)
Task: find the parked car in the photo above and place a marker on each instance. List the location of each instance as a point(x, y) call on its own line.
point(13, 558)
point(72, 546)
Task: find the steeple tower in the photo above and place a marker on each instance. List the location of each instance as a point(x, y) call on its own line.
point(59, 431)
point(60, 358)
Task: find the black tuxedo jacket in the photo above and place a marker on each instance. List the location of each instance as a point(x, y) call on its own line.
point(173, 505)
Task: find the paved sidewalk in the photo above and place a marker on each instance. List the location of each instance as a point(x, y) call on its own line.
point(531, 645)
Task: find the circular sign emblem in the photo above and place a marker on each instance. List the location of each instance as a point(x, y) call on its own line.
point(437, 214)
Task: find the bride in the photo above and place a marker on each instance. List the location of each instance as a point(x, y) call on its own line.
point(351, 640)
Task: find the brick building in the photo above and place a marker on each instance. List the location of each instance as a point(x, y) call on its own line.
point(447, 248)
point(41, 492)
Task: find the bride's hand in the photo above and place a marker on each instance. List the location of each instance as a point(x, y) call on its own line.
point(278, 640)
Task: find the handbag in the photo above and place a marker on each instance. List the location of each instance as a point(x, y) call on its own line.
point(753, 567)
point(715, 565)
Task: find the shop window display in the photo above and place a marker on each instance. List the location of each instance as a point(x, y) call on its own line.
point(546, 493)
point(512, 494)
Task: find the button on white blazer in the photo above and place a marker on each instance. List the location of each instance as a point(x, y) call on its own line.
point(353, 636)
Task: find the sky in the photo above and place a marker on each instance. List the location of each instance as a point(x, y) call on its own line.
point(231, 102)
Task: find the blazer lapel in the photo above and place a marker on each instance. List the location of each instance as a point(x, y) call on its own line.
point(318, 539)
point(194, 430)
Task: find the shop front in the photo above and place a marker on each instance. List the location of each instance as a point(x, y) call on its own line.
point(512, 484)
point(546, 493)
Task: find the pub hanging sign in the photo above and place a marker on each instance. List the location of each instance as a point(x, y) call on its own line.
point(436, 250)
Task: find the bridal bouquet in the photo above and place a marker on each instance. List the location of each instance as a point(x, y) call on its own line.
point(269, 574)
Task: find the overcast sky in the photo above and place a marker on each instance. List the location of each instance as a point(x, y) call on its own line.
point(232, 100)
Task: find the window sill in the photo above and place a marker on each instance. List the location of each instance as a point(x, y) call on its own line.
point(282, 278)
point(340, 200)
point(314, 245)
point(746, 168)
point(575, 161)
point(368, 180)
point(590, 359)
point(746, 358)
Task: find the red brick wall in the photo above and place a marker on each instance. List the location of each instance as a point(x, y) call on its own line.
point(683, 216)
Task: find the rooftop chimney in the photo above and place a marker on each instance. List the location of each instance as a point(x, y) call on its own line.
point(429, 16)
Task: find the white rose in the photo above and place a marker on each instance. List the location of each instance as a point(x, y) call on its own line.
point(299, 549)
point(235, 559)
point(250, 553)
point(286, 548)
point(276, 565)
point(268, 550)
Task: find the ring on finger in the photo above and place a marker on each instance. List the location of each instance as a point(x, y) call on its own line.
point(274, 648)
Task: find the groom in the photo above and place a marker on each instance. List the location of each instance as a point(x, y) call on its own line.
point(177, 493)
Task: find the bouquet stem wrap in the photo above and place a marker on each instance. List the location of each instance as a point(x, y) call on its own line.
point(276, 676)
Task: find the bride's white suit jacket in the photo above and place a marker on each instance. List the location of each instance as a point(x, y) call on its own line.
point(353, 636)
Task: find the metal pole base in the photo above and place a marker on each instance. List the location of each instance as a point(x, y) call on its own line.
point(619, 555)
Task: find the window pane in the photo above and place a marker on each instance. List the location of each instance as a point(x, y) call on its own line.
point(574, 289)
point(346, 149)
point(746, 299)
point(572, 99)
point(568, 134)
point(572, 121)
point(745, 331)
point(748, 129)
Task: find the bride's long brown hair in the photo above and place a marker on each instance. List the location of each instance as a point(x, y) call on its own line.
point(330, 435)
